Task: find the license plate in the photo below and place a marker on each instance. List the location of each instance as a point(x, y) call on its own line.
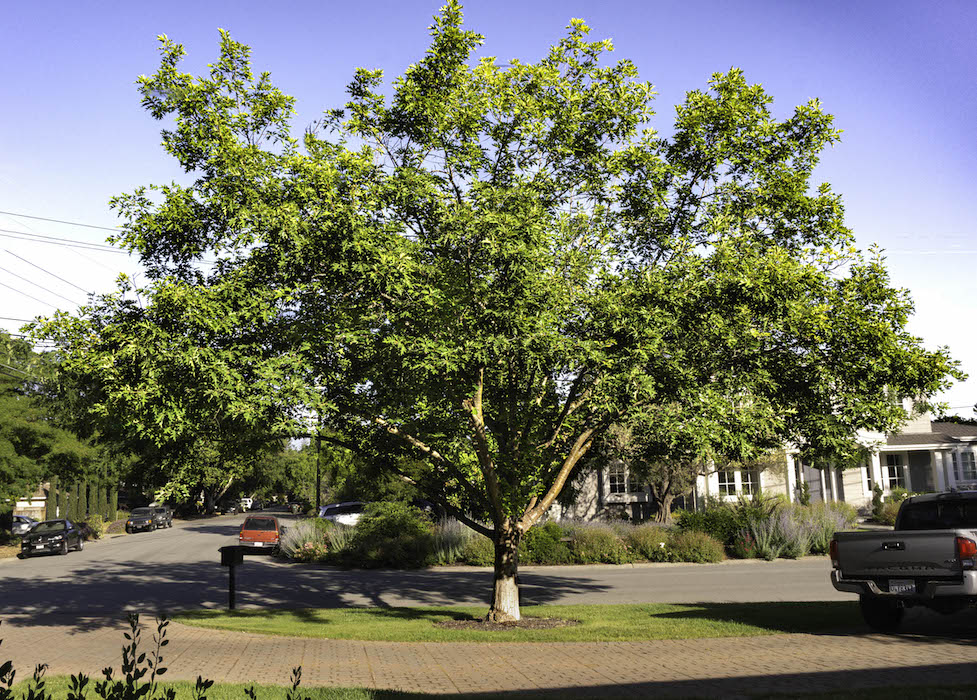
point(902, 586)
point(259, 544)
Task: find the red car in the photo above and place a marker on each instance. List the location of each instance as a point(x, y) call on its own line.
point(260, 532)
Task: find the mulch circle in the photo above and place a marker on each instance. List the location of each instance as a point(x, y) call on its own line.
point(526, 623)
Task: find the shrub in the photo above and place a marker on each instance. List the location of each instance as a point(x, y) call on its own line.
point(392, 535)
point(719, 521)
point(598, 544)
point(478, 551)
point(544, 544)
point(339, 536)
point(877, 502)
point(94, 527)
point(769, 543)
point(650, 542)
point(795, 530)
point(889, 511)
point(744, 546)
point(697, 547)
point(897, 495)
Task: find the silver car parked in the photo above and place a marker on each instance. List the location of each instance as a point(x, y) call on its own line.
point(22, 525)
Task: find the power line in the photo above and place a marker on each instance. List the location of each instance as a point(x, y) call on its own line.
point(47, 272)
point(39, 286)
point(59, 221)
point(22, 320)
point(56, 240)
point(46, 303)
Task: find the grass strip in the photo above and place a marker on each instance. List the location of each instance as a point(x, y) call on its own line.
point(597, 623)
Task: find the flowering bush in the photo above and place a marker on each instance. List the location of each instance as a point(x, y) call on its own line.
point(744, 546)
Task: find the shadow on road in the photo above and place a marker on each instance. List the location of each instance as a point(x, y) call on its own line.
point(96, 595)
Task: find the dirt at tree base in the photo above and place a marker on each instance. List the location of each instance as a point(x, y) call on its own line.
point(526, 623)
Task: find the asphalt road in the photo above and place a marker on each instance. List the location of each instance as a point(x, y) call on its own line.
point(179, 568)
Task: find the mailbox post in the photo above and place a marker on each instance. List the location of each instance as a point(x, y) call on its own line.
point(231, 557)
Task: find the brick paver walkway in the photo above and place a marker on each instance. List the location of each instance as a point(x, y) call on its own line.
point(728, 667)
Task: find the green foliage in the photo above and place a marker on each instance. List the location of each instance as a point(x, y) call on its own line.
point(890, 509)
point(94, 527)
point(450, 541)
point(804, 493)
point(544, 544)
point(51, 500)
point(650, 542)
point(392, 535)
point(719, 522)
point(698, 547)
point(478, 551)
point(744, 546)
point(469, 273)
point(595, 543)
point(877, 501)
point(898, 494)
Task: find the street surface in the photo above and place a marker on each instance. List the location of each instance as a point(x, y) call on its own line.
point(68, 611)
point(179, 568)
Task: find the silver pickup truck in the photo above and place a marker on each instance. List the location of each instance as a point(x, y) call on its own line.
point(929, 559)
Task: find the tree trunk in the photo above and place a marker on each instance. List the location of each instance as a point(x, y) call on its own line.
point(664, 504)
point(505, 591)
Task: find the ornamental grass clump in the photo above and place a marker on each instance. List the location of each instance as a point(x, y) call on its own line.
point(826, 520)
point(766, 535)
point(304, 541)
point(450, 538)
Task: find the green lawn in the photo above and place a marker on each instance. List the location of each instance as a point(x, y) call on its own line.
point(597, 623)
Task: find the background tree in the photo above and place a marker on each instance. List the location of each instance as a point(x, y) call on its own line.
point(486, 271)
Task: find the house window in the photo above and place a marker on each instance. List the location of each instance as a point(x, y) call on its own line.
point(619, 480)
point(969, 466)
point(750, 481)
point(727, 482)
point(897, 478)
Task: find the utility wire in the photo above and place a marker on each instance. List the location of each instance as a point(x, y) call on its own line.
point(47, 272)
point(66, 242)
point(39, 286)
point(46, 303)
point(22, 320)
point(59, 221)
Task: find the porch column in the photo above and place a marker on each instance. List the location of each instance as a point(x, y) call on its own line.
point(833, 480)
point(875, 467)
point(791, 479)
point(824, 487)
point(939, 469)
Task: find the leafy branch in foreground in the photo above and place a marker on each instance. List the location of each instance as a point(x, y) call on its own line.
point(135, 666)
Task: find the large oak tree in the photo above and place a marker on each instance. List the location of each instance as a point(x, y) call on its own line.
point(486, 265)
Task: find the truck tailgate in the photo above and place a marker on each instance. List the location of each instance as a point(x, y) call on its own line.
point(903, 553)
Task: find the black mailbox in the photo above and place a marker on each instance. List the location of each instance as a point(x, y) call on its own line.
point(232, 555)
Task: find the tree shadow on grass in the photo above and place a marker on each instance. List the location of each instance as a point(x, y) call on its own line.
point(834, 618)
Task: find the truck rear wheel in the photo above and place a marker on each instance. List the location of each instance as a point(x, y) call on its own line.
point(881, 614)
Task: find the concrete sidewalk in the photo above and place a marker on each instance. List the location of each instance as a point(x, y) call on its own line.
point(730, 667)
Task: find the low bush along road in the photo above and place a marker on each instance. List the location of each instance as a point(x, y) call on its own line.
point(178, 569)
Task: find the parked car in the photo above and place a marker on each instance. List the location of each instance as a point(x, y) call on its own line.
point(260, 532)
point(52, 537)
point(929, 559)
point(346, 513)
point(22, 524)
point(228, 507)
point(141, 519)
point(246, 503)
point(163, 516)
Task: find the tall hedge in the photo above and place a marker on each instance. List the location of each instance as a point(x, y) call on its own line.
point(113, 504)
point(61, 508)
point(51, 504)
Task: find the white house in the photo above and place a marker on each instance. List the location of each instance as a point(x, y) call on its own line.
point(925, 455)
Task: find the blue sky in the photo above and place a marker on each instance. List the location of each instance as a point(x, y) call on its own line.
point(900, 78)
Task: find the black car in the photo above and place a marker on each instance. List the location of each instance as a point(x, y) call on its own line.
point(163, 516)
point(22, 524)
point(52, 537)
point(141, 519)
